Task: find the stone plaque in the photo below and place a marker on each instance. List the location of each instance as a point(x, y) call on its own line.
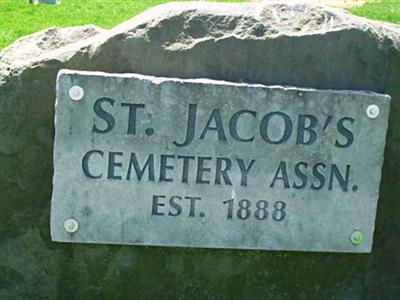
point(200, 163)
point(44, 1)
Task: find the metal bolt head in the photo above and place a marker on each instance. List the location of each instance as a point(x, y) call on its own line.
point(373, 111)
point(71, 225)
point(356, 237)
point(76, 93)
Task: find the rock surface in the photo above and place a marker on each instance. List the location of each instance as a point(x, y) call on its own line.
point(270, 43)
point(36, 44)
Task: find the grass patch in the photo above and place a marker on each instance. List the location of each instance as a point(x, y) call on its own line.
point(18, 18)
point(384, 10)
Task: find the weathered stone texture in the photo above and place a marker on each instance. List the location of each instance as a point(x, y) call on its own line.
point(42, 42)
point(300, 45)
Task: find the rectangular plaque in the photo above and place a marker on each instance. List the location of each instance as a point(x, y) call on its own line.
point(145, 160)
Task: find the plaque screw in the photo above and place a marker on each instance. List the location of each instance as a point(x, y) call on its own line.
point(356, 237)
point(76, 93)
point(71, 225)
point(373, 111)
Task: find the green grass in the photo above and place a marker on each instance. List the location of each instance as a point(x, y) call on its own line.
point(384, 10)
point(18, 18)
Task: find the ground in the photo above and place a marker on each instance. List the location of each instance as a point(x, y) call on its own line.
point(385, 10)
point(18, 18)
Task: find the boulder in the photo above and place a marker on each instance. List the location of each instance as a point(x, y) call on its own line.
point(273, 43)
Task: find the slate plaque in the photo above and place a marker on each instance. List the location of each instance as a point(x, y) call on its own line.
point(200, 163)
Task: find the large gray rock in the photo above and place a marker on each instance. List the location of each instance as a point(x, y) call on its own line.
point(297, 44)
